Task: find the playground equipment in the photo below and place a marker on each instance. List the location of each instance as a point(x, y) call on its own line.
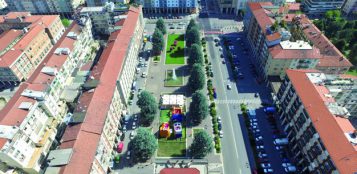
point(165, 130)
point(178, 129)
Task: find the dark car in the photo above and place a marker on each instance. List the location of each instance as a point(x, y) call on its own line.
point(222, 56)
point(219, 126)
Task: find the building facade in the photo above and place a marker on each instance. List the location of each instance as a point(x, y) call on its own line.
point(104, 18)
point(26, 41)
point(30, 119)
point(322, 139)
point(96, 3)
point(44, 6)
point(281, 41)
point(169, 6)
point(349, 7)
point(94, 127)
point(320, 6)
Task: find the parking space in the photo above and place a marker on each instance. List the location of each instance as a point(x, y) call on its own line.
point(272, 158)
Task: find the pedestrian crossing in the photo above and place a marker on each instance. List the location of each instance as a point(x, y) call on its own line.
point(239, 101)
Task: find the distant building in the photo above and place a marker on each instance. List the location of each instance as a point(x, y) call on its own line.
point(44, 6)
point(30, 120)
point(87, 144)
point(233, 6)
point(94, 3)
point(168, 6)
point(349, 7)
point(105, 17)
point(25, 41)
point(320, 7)
point(321, 137)
point(297, 44)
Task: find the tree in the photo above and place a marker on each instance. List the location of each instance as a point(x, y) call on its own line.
point(144, 145)
point(157, 42)
point(66, 22)
point(148, 107)
point(193, 37)
point(191, 24)
point(340, 44)
point(353, 54)
point(160, 24)
point(197, 79)
point(275, 26)
point(198, 107)
point(195, 55)
point(202, 145)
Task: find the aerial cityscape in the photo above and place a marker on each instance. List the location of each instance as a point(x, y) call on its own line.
point(178, 86)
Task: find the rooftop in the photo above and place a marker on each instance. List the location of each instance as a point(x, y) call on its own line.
point(34, 25)
point(332, 129)
point(84, 137)
point(179, 171)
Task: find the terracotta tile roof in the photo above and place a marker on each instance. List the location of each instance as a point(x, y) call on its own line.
point(294, 6)
point(37, 24)
point(261, 14)
point(7, 37)
point(278, 52)
point(85, 137)
point(331, 56)
point(330, 128)
point(274, 36)
point(179, 171)
point(11, 114)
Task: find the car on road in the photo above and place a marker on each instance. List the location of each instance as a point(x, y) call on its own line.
point(222, 56)
point(124, 128)
point(221, 134)
point(290, 169)
point(286, 164)
point(219, 119)
point(262, 155)
point(265, 165)
point(229, 86)
point(268, 171)
point(134, 125)
point(256, 95)
point(132, 135)
point(128, 155)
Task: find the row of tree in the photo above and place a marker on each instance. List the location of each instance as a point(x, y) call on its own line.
point(342, 33)
point(202, 143)
point(158, 41)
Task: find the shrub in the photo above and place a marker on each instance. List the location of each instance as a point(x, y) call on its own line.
point(213, 112)
point(215, 128)
point(206, 60)
point(206, 56)
point(213, 104)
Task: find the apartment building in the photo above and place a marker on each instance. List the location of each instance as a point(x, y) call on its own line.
point(322, 139)
point(104, 17)
point(95, 3)
point(321, 6)
point(44, 6)
point(92, 134)
point(281, 41)
point(349, 7)
point(233, 6)
point(29, 121)
point(169, 6)
point(25, 41)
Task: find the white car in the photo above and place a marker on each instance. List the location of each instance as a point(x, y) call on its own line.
point(134, 125)
point(258, 138)
point(132, 135)
point(254, 127)
point(260, 147)
point(265, 165)
point(128, 155)
point(229, 86)
point(219, 119)
point(144, 75)
point(253, 120)
point(140, 59)
point(256, 130)
point(286, 164)
point(124, 128)
point(253, 124)
point(135, 117)
point(279, 147)
point(221, 134)
point(262, 155)
point(268, 170)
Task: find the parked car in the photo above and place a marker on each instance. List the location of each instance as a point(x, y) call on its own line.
point(286, 164)
point(279, 147)
point(256, 130)
point(134, 125)
point(124, 128)
point(260, 147)
point(290, 169)
point(172, 27)
point(220, 125)
point(281, 141)
point(262, 155)
point(268, 171)
point(132, 135)
point(259, 138)
point(219, 119)
point(128, 155)
point(223, 62)
point(265, 165)
point(253, 124)
point(135, 117)
point(229, 86)
point(256, 95)
point(253, 120)
point(216, 40)
point(221, 134)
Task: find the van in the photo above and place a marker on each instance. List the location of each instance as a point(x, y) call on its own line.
point(281, 141)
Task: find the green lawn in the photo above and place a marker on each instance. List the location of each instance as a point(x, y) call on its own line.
point(352, 72)
point(176, 55)
point(171, 147)
point(171, 82)
point(164, 116)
